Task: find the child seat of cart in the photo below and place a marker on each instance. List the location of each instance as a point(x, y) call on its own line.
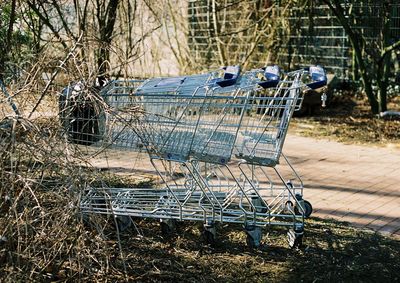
point(229, 77)
point(271, 77)
point(188, 84)
point(264, 145)
point(175, 81)
point(318, 77)
point(231, 72)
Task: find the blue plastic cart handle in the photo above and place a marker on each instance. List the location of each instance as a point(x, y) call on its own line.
point(318, 77)
point(271, 75)
point(231, 74)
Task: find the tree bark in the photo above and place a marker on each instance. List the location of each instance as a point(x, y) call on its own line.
point(385, 58)
point(8, 41)
point(357, 44)
point(106, 23)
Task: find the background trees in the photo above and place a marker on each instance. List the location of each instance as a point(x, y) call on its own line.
point(354, 39)
point(373, 55)
point(67, 21)
point(145, 38)
point(15, 40)
point(112, 34)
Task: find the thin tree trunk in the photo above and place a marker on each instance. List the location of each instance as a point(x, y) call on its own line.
point(382, 95)
point(7, 44)
point(357, 45)
point(44, 17)
point(385, 59)
point(216, 26)
point(106, 25)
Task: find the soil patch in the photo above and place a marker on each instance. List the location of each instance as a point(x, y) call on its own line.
point(348, 119)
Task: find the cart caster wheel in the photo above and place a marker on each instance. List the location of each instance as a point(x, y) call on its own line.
point(254, 236)
point(167, 226)
point(209, 233)
point(308, 209)
point(251, 243)
point(295, 236)
point(305, 204)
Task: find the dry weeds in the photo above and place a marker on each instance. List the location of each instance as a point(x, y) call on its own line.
point(348, 119)
point(44, 237)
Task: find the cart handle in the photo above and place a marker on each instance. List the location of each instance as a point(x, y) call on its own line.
point(318, 77)
point(271, 74)
point(231, 74)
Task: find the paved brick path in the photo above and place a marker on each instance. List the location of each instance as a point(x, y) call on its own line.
point(358, 184)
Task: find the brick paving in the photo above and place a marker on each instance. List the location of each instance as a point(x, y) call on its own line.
point(358, 184)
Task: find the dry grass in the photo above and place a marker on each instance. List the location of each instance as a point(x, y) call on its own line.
point(41, 229)
point(48, 240)
point(56, 244)
point(348, 119)
point(44, 237)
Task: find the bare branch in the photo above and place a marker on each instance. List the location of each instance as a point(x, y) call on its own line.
point(46, 20)
point(390, 48)
point(54, 75)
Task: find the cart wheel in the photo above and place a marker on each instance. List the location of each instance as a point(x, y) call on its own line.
point(254, 236)
point(209, 233)
point(296, 242)
point(308, 209)
point(295, 237)
point(209, 238)
point(251, 243)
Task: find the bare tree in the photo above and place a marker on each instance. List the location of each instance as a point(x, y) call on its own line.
point(106, 15)
point(101, 26)
point(373, 57)
point(110, 29)
point(6, 37)
point(232, 32)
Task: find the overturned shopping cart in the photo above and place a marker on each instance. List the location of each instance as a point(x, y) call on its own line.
point(221, 133)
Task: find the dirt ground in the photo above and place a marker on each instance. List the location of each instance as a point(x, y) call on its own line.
point(94, 250)
point(348, 119)
point(45, 239)
point(332, 252)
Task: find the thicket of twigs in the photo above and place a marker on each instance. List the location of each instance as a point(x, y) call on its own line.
point(42, 232)
point(43, 236)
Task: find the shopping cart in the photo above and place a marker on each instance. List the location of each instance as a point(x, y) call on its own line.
point(212, 139)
